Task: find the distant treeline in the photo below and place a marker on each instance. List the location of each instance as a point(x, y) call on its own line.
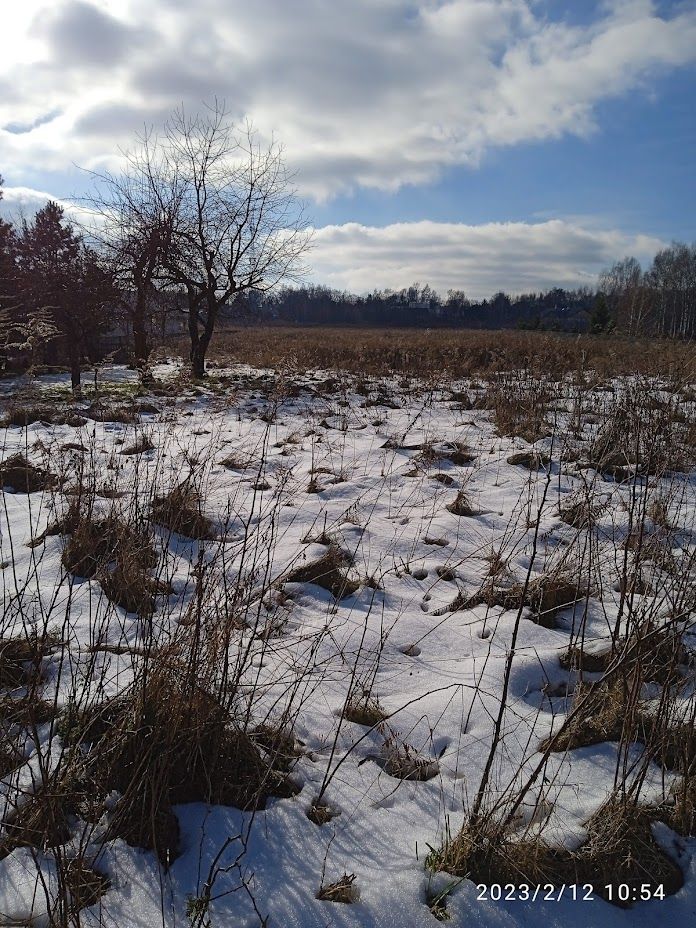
point(66, 298)
point(660, 301)
point(418, 306)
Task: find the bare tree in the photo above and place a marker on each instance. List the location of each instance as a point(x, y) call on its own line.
point(622, 284)
point(215, 210)
point(131, 224)
point(672, 279)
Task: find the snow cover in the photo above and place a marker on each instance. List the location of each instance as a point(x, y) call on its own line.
point(437, 673)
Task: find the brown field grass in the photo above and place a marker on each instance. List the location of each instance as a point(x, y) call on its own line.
point(458, 352)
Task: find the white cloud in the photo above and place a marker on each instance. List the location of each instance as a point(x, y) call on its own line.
point(517, 257)
point(361, 93)
point(480, 259)
point(23, 202)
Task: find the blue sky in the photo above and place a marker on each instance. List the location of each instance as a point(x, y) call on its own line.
point(636, 172)
point(482, 144)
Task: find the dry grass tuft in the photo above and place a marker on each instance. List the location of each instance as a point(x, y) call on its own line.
point(549, 594)
point(64, 525)
point(127, 584)
point(320, 813)
point(96, 543)
point(21, 660)
point(342, 890)
point(20, 475)
point(607, 710)
point(456, 452)
point(619, 849)
point(43, 821)
point(180, 511)
point(519, 407)
point(170, 741)
point(601, 717)
point(85, 884)
point(11, 754)
point(365, 711)
point(401, 761)
point(278, 744)
point(460, 505)
point(532, 459)
point(119, 556)
point(579, 512)
point(141, 444)
point(328, 572)
point(682, 817)
point(27, 415)
point(545, 596)
point(25, 711)
point(105, 412)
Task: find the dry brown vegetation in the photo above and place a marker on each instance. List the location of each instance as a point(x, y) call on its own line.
point(457, 352)
point(188, 726)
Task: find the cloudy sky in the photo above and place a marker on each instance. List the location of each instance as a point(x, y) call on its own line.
point(478, 144)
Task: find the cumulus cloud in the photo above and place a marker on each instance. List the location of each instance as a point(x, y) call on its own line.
point(516, 257)
point(361, 93)
point(85, 35)
point(20, 203)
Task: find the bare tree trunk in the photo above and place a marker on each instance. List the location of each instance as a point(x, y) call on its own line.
point(75, 372)
point(197, 361)
point(196, 357)
point(200, 340)
point(141, 347)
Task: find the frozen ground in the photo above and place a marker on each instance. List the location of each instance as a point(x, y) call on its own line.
point(367, 465)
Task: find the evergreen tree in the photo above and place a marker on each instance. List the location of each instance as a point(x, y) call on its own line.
point(8, 275)
point(600, 320)
point(61, 280)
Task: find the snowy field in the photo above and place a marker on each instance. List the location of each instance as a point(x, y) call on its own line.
point(355, 571)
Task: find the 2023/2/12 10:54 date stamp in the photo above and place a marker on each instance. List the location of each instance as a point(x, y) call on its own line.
point(621, 893)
